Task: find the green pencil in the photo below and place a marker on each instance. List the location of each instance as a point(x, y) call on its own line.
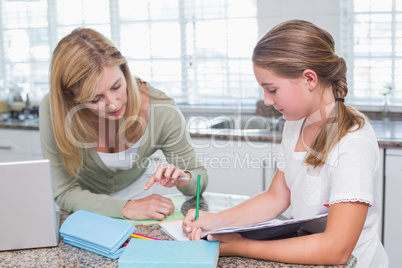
point(197, 209)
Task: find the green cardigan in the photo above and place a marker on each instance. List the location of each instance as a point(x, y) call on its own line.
point(166, 130)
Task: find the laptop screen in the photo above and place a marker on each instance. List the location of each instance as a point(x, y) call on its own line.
point(27, 210)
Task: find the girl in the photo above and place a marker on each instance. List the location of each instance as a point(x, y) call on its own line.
point(330, 159)
point(99, 125)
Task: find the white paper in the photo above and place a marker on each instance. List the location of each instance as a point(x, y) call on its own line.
point(174, 230)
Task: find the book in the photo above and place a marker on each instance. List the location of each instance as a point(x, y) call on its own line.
point(165, 253)
point(275, 228)
point(97, 233)
point(174, 230)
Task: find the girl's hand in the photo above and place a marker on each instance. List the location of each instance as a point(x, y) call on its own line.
point(230, 244)
point(168, 176)
point(194, 228)
point(151, 207)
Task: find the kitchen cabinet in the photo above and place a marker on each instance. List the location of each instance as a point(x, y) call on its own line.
point(241, 167)
point(36, 148)
point(19, 145)
point(380, 183)
point(392, 206)
point(234, 166)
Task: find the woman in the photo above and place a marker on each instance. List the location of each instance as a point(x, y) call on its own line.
point(329, 159)
point(99, 125)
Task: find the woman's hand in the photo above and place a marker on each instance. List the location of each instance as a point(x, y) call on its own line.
point(168, 176)
point(151, 207)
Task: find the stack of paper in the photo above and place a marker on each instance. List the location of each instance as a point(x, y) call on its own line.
point(97, 233)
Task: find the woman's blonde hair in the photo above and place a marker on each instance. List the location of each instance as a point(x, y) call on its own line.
point(296, 45)
point(76, 68)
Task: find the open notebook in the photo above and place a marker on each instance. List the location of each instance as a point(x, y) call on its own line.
point(258, 231)
point(27, 212)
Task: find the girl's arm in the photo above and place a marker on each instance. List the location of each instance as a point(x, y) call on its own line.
point(262, 207)
point(333, 246)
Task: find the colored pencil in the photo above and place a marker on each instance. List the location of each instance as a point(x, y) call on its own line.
point(140, 236)
point(197, 209)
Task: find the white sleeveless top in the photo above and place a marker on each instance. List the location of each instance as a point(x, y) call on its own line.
point(124, 160)
point(350, 174)
point(121, 160)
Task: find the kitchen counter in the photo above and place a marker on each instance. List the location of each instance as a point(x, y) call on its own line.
point(65, 255)
point(389, 134)
point(18, 124)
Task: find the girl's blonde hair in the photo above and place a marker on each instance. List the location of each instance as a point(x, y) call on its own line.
point(296, 45)
point(76, 68)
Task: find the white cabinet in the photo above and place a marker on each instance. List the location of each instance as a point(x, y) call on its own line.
point(36, 146)
point(234, 166)
point(19, 145)
point(14, 146)
point(241, 167)
point(392, 206)
point(380, 183)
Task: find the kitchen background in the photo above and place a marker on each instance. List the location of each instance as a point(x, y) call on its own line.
point(199, 53)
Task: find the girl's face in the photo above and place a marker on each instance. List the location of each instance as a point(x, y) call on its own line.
point(291, 97)
point(111, 96)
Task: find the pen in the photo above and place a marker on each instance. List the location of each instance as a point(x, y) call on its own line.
point(178, 179)
point(140, 236)
point(197, 209)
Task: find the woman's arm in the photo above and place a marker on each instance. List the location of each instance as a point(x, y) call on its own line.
point(170, 134)
point(68, 194)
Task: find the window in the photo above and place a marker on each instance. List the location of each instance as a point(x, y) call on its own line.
point(24, 51)
point(372, 47)
point(199, 52)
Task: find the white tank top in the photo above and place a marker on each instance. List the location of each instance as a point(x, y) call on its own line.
point(121, 160)
point(124, 160)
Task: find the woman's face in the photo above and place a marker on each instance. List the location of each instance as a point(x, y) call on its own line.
point(289, 96)
point(111, 96)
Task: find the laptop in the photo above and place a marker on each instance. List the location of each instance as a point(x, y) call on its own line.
point(27, 211)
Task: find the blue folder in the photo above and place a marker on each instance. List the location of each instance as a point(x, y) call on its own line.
point(170, 254)
point(97, 233)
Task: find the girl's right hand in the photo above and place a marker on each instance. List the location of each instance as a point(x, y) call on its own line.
point(194, 228)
